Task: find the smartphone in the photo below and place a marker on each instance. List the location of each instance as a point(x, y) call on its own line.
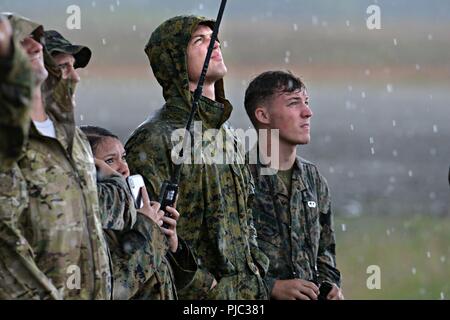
point(135, 183)
point(167, 197)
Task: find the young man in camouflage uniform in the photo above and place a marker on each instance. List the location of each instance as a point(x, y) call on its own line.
point(292, 207)
point(51, 241)
point(213, 198)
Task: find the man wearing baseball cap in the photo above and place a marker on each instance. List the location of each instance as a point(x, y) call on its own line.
point(67, 56)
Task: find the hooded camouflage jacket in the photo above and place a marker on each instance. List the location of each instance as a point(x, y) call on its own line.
point(51, 241)
point(295, 228)
point(213, 198)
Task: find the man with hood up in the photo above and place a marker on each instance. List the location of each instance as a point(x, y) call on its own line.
point(214, 198)
point(51, 240)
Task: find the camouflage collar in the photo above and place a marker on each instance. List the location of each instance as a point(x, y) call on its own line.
point(297, 172)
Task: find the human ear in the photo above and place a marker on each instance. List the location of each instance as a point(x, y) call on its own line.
point(262, 115)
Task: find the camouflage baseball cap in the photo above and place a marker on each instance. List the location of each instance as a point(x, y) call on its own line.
point(23, 27)
point(56, 43)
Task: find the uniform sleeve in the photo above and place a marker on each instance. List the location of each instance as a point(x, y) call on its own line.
point(20, 277)
point(326, 258)
point(117, 211)
point(258, 255)
point(16, 86)
point(189, 277)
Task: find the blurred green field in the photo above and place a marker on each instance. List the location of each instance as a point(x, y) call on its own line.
point(413, 254)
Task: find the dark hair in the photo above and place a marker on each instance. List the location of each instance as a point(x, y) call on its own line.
point(264, 86)
point(95, 135)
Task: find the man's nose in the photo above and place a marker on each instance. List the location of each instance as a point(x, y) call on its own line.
point(307, 113)
point(34, 46)
point(73, 75)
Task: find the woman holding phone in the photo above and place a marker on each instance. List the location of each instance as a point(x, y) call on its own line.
point(147, 258)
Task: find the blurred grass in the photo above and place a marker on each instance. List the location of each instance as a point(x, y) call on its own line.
point(413, 254)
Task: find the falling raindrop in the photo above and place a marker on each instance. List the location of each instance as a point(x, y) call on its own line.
point(428, 254)
point(442, 296)
point(344, 227)
point(395, 41)
point(392, 179)
point(394, 153)
point(442, 259)
point(432, 195)
point(394, 123)
point(367, 72)
point(430, 37)
point(352, 127)
point(295, 27)
point(347, 23)
point(200, 6)
point(81, 117)
point(435, 128)
point(417, 67)
point(134, 27)
point(142, 156)
point(413, 270)
point(111, 8)
point(363, 95)
point(350, 88)
point(94, 4)
point(331, 169)
point(371, 141)
point(389, 88)
point(372, 151)
point(410, 173)
point(104, 41)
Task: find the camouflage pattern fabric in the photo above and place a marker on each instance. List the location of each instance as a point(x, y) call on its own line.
point(16, 88)
point(215, 221)
point(293, 230)
point(137, 245)
point(51, 241)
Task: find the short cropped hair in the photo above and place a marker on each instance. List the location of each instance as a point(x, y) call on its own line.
point(264, 86)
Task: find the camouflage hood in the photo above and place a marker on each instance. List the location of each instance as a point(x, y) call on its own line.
point(23, 27)
point(167, 53)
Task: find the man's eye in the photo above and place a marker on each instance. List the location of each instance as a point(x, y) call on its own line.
point(63, 66)
point(109, 161)
point(124, 158)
